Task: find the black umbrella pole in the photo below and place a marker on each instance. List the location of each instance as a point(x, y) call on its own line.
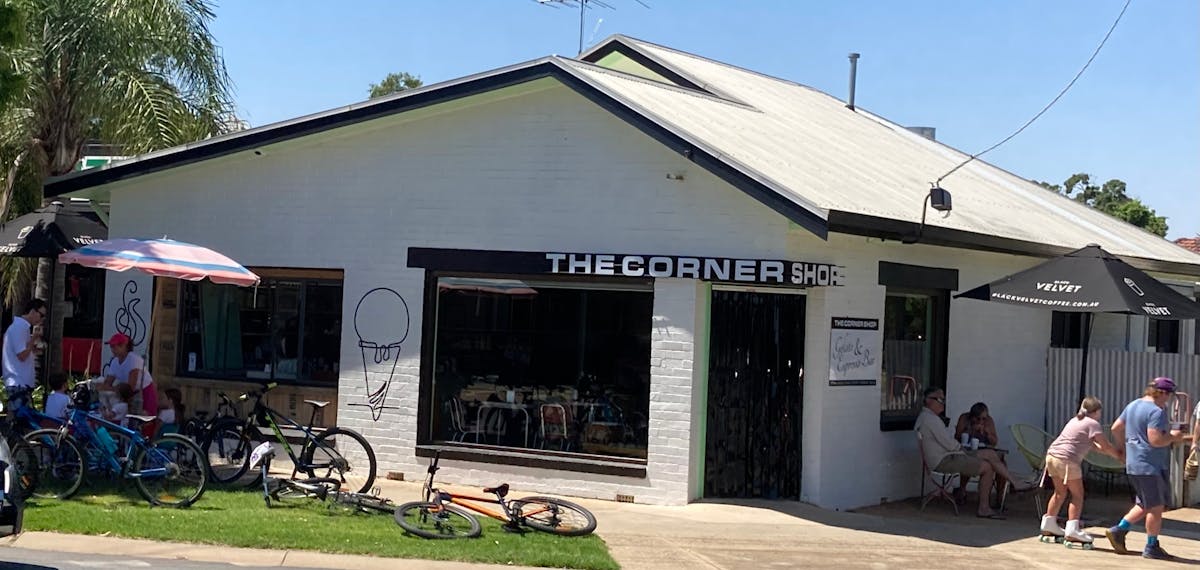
point(1087, 340)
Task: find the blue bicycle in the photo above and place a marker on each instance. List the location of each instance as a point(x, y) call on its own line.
point(169, 470)
point(19, 419)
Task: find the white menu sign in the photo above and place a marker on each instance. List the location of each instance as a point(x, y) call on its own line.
point(854, 346)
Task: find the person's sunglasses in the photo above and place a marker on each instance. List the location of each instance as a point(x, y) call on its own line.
point(42, 313)
point(939, 400)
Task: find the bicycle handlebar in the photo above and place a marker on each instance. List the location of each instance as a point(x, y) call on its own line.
point(256, 393)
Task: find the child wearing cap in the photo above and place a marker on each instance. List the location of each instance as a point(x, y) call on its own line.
point(127, 367)
point(1148, 437)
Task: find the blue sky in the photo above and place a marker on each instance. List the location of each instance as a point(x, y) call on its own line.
point(974, 70)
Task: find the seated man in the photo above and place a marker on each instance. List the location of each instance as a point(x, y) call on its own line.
point(944, 454)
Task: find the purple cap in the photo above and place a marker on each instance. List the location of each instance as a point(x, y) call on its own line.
point(1163, 383)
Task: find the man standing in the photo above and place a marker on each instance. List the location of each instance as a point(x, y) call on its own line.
point(20, 342)
point(944, 455)
point(1144, 429)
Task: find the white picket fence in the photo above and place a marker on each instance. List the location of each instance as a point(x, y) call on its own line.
point(1116, 377)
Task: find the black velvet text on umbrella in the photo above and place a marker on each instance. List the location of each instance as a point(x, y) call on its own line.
point(1089, 280)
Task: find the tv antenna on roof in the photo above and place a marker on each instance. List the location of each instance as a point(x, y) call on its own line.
point(583, 6)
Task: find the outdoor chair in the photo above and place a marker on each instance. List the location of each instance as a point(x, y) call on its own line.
point(554, 426)
point(463, 428)
point(1104, 466)
point(1033, 443)
point(943, 483)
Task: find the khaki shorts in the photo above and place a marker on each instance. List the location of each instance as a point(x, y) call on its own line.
point(1063, 470)
point(960, 463)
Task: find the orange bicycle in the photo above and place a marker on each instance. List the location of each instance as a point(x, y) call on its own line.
point(445, 515)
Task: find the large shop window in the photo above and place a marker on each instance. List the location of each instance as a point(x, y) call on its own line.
point(541, 364)
point(288, 331)
point(916, 332)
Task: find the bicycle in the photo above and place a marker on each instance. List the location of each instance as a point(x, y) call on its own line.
point(168, 470)
point(19, 419)
point(199, 426)
point(276, 490)
point(439, 514)
point(337, 453)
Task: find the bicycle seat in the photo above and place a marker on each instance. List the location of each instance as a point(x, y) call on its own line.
point(316, 403)
point(501, 490)
point(143, 419)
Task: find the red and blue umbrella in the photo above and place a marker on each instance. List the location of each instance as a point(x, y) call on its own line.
point(162, 258)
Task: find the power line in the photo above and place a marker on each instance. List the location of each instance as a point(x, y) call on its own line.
point(1048, 105)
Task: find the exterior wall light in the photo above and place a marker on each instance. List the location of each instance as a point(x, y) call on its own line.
point(937, 197)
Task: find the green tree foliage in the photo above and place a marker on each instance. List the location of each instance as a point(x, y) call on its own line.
point(1111, 199)
point(140, 75)
point(395, 83)
point(11, 35)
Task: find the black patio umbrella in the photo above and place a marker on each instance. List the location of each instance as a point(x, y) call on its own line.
point(1089, 280)
point(49, 231)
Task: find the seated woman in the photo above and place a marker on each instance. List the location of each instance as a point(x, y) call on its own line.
point(977, 423)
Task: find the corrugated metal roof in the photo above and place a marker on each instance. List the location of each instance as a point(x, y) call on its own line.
point(821, 154)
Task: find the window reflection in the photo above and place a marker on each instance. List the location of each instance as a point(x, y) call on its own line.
point(551, 365)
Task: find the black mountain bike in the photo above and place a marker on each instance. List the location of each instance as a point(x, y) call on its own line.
point(335, 453)
point(199, 426)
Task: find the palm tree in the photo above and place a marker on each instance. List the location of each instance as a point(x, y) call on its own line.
point(138, 74)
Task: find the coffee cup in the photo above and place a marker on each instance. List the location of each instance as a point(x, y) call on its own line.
point(974, 443)
point(966, 440)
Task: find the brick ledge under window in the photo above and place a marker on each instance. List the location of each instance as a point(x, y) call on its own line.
point(621, 468)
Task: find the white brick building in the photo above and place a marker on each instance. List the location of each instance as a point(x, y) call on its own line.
point(637, 151)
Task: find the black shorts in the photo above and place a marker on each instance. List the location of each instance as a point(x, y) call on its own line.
point(1151, 490)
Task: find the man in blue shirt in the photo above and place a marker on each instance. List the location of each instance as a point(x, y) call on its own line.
point(1148, 439)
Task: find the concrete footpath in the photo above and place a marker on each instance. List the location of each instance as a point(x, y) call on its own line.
point(751, 535)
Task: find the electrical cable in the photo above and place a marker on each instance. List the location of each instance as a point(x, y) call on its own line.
point(1051, 104)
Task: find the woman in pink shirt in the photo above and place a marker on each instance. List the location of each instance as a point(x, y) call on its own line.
point(1064, 466)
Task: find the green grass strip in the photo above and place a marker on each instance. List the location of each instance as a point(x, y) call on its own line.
point(240, 518)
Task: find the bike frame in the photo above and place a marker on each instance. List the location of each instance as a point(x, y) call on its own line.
point(25, 416)
point(80, 427)
point(273, 418)
point(468, 501)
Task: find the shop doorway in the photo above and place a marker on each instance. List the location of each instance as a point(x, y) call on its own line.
point(755, 395)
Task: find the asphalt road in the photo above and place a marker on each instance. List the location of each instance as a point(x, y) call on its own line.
point(25, 559)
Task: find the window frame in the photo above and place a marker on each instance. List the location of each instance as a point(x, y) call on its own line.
point(304, 278)
point(569, 460)
point(937, 283)
point(1154, 332)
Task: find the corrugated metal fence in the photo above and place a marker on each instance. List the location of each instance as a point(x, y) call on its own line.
point(1116, 377)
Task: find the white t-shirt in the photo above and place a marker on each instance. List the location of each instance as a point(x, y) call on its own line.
point(120, 370)
point(16, 340)
point(167, 415)
point(119, 411)
point(56, 405)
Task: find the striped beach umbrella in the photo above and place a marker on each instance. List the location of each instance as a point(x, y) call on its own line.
point(162, 258)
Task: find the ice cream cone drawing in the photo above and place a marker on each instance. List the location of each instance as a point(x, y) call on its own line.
point(381, 322)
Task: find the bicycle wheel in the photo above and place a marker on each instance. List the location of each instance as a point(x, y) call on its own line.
point(25, 462)
point(554, 516)
point(365, 503)
point(60, 464)
point(433, 520)
point(170, 471)
point(227, 448)
point(317, 488)
point(341, 454)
